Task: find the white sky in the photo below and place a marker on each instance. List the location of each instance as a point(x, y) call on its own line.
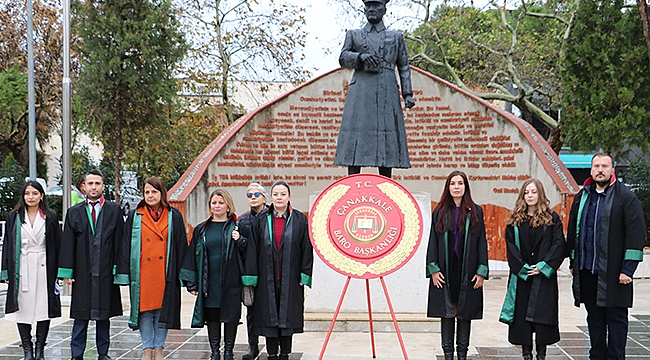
point(324, 38)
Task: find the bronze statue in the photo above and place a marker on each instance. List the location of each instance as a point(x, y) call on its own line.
point(372, 130)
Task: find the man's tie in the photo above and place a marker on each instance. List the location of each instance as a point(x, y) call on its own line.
point(93, 213)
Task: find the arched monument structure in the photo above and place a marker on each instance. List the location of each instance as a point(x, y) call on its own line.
point(293, 138)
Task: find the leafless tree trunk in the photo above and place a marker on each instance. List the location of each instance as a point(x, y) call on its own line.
point(644, 9)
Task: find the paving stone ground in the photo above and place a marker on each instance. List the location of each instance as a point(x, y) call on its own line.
point(488, 337)
point(188, 344)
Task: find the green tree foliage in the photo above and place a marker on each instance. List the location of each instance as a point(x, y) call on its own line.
point(13, 109)
point(241, 40)
point(11, 182)
point(495, 51)
point(13, 73)
point(638, 176)
point(191, 131)
point(606, 79)
point(129, 50)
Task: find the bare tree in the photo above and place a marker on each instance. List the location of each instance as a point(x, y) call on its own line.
point(644, 10)
point(242, 40)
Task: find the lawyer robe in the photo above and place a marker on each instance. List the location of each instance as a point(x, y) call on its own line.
point(295, 270)
point(90, 257)
point(474, 262)
point(622, 238)
point(536, 299)
point(196, 270)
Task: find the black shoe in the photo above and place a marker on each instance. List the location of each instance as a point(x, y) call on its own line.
point(252, 353)
point(104, 357)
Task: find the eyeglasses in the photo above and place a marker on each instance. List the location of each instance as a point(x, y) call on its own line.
point(256, 194)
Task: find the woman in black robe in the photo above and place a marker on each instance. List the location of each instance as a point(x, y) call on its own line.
point(32, 238)
point(536, 248)
point(214, 263)
point(457, 263)
point(279, 261)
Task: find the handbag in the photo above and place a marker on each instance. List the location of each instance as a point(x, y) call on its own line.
point(248, 295)
point(247, 292)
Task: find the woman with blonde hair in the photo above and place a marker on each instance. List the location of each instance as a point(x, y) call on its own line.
point(457, 263)
point(536, 248)
point(213, 271)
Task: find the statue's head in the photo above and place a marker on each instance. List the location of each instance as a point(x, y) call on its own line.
point(375, 10)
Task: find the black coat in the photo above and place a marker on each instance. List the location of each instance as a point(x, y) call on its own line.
point(11, 273)
point(537, 295)
point(475, 262)
point(622, 237)
point(296, 262)
point(196, 262)
point(90, 260)
point(246, 221)
point(128, 272)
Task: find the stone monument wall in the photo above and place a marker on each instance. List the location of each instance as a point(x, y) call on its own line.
point(294, 138)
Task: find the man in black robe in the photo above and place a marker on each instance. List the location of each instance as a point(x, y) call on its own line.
point(606, 236)
point(91, 236)
point(372, 130)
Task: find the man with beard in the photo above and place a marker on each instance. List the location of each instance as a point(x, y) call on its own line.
point(372, 129)
point(89, 248)
point(606, 236)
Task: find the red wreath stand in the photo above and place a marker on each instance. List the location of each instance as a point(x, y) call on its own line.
point(365, 212)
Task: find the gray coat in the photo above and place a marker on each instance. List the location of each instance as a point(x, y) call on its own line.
point(372, 130)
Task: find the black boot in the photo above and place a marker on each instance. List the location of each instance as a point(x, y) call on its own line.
point(462, 338)
point(252, 353)
point(214, 337)
point(527, 352)
point(25, 332)
point(447, 327)
point(42, 328)
point(284, 356)
point(229, 334)
point(541, 352)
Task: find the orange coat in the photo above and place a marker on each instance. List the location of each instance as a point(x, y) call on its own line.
point(153, 256)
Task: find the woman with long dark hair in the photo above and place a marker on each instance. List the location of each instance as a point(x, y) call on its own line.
point(457, 263)
point(279, 261)
point(30, 259)
point(151, 255)
point(214, 263)
point(536, 248)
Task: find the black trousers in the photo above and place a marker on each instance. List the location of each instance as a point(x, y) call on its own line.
point(607, 325)
point(78, 338)
point(253, 339)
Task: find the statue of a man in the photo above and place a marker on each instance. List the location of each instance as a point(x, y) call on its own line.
point(372, 130)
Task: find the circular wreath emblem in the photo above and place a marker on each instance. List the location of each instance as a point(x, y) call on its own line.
point(365, 226)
